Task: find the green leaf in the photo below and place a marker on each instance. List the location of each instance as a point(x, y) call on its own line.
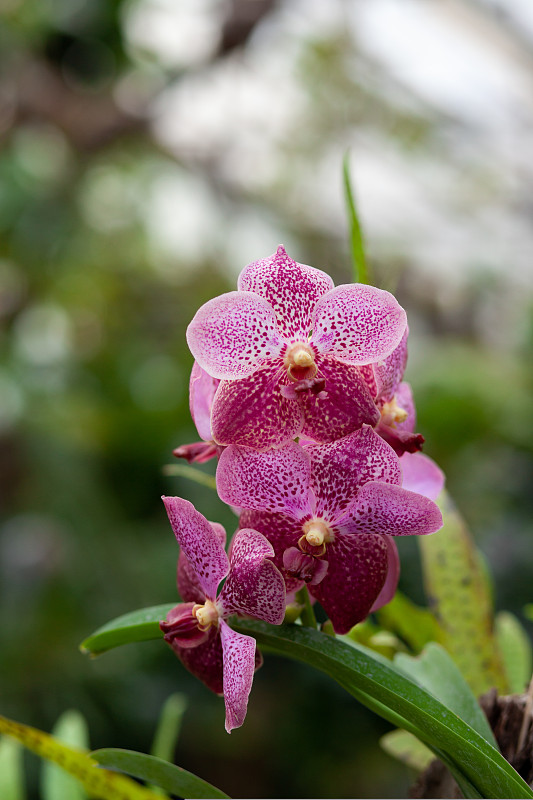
point(416, 626)
point(11, 770)
point(56, 784)
point(436, 672)
point(193, 474)
point(360, 270)
point(137, 626)
point(155, 770)
point(480, 768)
point(459, 595)
point(515, 647)
point(405, 747)
point(98, 782)
point(168, 729)
point(528, 611)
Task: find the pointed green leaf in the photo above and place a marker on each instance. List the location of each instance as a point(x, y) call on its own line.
point(137, 626)
point(11, 770)
point(515, 647)
point(360, 270)
point(98, 782)
point(436, 672)
point(168, 729)
point(155, 770)
point(459, 595)
point(405, 747)
point(56, 784)
point(414, 625)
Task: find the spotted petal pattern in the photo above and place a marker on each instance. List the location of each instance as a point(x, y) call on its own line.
point(389, 373)
point(238, 670)
point(393, 575)
point(292, 290)
point(277, 480)
point(253, 412)
point(202, 388)
point(231, 335)
point(391, 510)
point(281, 531)
point(189, 585)
point(254, 585)
point(355, 577)
point(340, 468)
point(422, 475)
point(204, 661)
point(199, 542)
point(358, 324)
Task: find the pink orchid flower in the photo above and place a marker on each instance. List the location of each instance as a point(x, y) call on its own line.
point(287, 348)
point(197, 629)
point(202, 389)
point(329, 511)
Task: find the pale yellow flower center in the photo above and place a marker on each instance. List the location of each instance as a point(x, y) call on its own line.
point(206, 614)
point(317, 532)
point(391, 413)
point(299, 360)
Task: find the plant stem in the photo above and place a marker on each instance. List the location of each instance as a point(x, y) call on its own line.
point(308, 615)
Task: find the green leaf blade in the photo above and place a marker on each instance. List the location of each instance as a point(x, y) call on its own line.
point(137, 626)
point(71, 729)
point(360, 269)
point(157, 771)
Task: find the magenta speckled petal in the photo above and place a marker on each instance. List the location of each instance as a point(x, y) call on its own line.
point(358, 324)
point(253, 412)
point(356, 574)
point(382, 508)
point(389, 373)
point(347, 403)
point(281, 531)
point(239, 668)
point(204, 661)
point(199, 542)
point(254, 586)
point(276, 480)
point(189, 586)
point(422, 475)
point(202, 388)
point(393, 575)
point(340, 468)
point(292, 290)
point(232, 334)
point(405, 400)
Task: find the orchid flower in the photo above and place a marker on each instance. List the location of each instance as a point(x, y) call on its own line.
point(202, 388)
point(287, 348)
point(329, 511)
point(197, 629)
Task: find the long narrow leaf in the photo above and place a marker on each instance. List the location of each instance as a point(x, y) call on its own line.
point(169, 726)
point(11, 770)
point(360, 270)
point(137, 626)
point(155, 770)
point(56, 784)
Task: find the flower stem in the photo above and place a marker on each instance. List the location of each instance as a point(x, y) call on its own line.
point(308, 615)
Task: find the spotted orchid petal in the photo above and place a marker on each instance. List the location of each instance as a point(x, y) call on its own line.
point(204, 661)
point(291, 289)
point(345, 404)
point(355, 577)
point(281, 531)
point(276, 480)
point(188, 581)
point(253, 412)
point(340, 468)
point(393, 575)
point(231, 335)
point(422, 475)
point(254, 586)
point(238, 670)
point(202, 388)
point(405, 400)
point(358, 324)
point(199, 542)
point(389, 373)
point(391, 510)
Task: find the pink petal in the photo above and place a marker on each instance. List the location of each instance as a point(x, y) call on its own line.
point(382, 508)
point(389, 373)
point(253, 412)
point(355, 577)
point(340, 468)
point(231, 335)
point(422, 475)
point(393, 575)
point(358, 324)
point(189, 586)
point(202, 388)
point(196, 452)
point(204, 661)
point(277, 480)
point(347, 403)
point(254, 586)
point(199, 542)
point(181, 627)
point(281, 531)
point(292, 290)
point(404, 398)
point(239, 668)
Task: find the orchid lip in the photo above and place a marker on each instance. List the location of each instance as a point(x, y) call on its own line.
point(299, 361)
point(392, 413)
point(317, 533)
point(206, 614)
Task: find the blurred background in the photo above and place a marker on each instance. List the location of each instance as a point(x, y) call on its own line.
point(149, 150)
